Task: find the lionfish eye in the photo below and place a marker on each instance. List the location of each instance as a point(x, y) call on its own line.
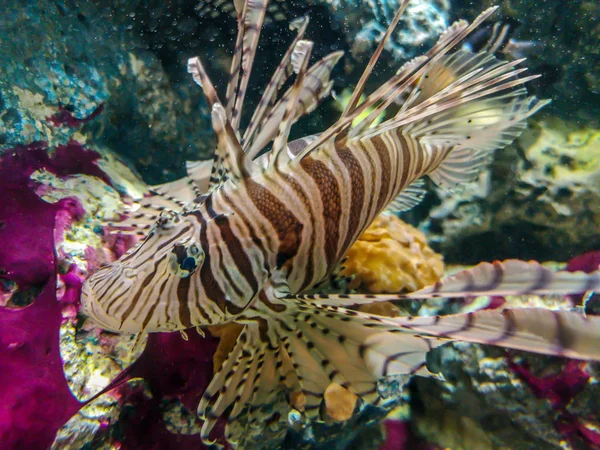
point(185, 259)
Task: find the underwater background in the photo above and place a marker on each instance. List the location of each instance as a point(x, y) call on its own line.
point(96, 104)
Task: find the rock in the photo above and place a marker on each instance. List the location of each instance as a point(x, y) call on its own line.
point(79, 68)
point(542, 205)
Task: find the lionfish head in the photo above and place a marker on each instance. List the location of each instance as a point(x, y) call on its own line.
point(134, 293)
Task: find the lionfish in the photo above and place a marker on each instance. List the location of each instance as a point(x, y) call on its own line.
point(247, 236)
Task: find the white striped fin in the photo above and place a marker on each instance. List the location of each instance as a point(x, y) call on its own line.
point(408, 198)
point(509, 277)
point(268, 98)
point(396, 86)
point(300, 58)
point(201, 78)
point(327, 344)
point(469, 105)
point(218, 173)
point(199, 172)
point(315, 87)
point(250, 376)
point(306, 352)
point(187, 189)
point(171, 196)
point(462, 165)
point(141, 216)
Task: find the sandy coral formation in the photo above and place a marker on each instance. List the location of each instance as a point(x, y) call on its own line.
point(392, 256)
point(339, 402)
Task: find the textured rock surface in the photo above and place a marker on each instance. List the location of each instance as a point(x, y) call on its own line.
point(493, 399)
point(540, 199)
point(65, 64)
point(365, 22)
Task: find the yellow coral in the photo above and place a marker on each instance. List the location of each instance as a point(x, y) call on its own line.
point(339, 402)
point(391, 256)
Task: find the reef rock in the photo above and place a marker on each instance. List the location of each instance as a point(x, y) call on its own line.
point(80, 68)
point(365, 23)
point(545, 190)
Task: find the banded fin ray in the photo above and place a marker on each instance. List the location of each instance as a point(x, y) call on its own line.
point(327, 343)
point(300, 58)
point(141, 216)
point(247, 378)
point(199, 173)
point(281, 74)
point(252, 19)
point(315, 87)
point(410, 197)
point(509, 277)
point(219, 171)
point(407, 76)
point(308, 349)
point(360, 86)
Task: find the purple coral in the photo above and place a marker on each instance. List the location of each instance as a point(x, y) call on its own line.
point(36, 400)
point(400, 436)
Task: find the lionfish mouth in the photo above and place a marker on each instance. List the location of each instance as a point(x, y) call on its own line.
point(101, 293)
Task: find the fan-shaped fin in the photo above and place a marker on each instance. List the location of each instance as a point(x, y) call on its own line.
point(408, 198)
point(396, 86)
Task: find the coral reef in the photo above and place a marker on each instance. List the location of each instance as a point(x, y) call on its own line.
point(548, 196)
point(392, 256)
point(36, 399)
point(492, 399)
point(79, 68)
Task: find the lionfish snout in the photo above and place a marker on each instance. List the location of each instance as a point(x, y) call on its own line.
point(101, 296)
point(133, 294)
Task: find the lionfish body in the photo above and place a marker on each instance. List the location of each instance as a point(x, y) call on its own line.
point(243, 238)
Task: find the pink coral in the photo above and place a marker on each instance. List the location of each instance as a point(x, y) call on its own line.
point(36, 400)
